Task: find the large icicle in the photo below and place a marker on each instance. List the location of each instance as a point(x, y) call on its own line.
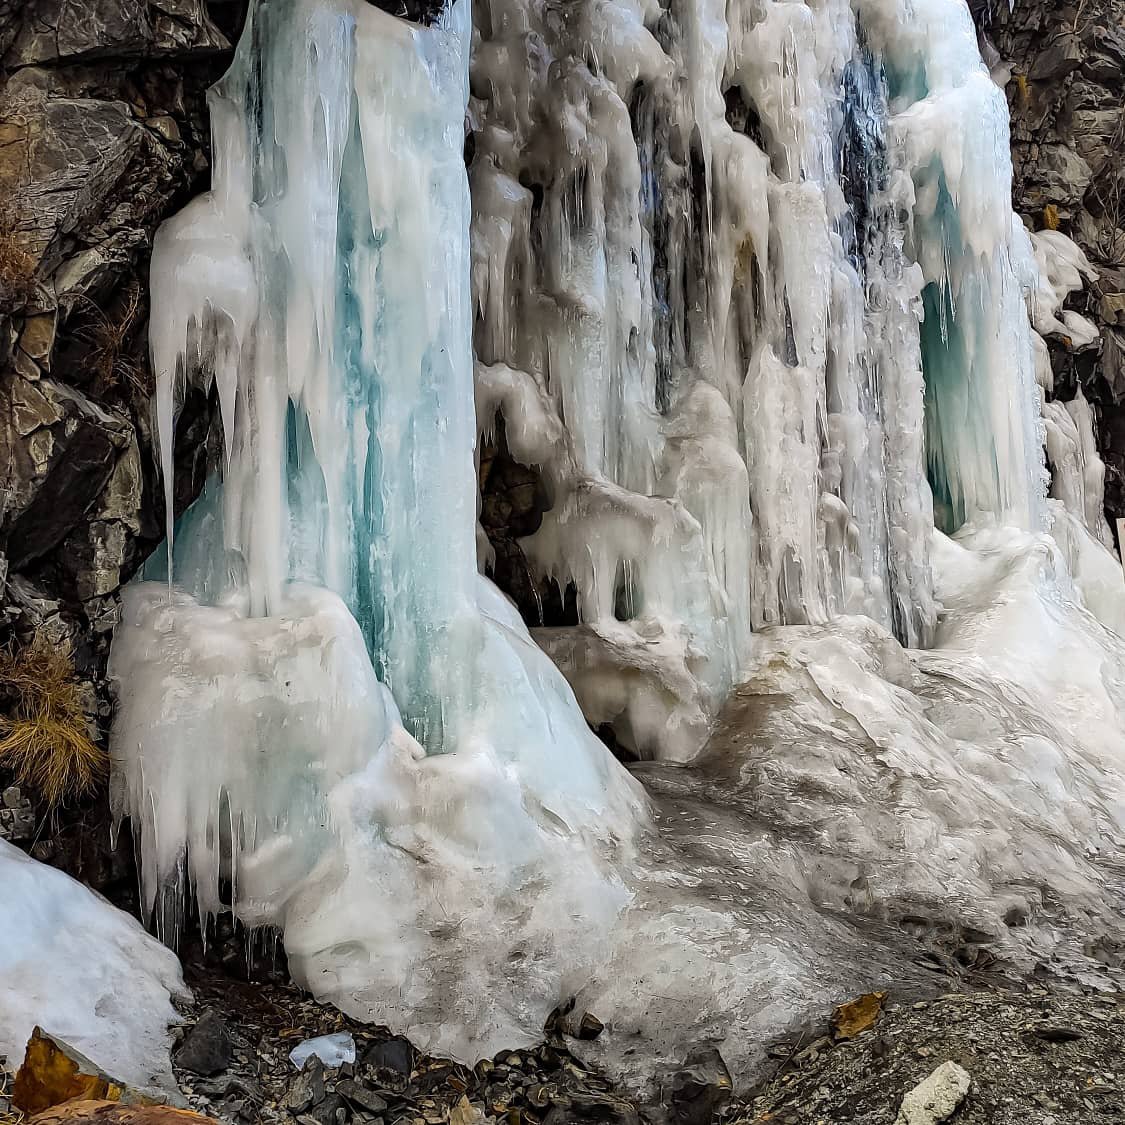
point(259, 751)
point(982, 434)
point(689, 238)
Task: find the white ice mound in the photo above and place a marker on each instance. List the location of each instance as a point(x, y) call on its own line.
point(456, 897)
point(82, 970)
point(860, 805)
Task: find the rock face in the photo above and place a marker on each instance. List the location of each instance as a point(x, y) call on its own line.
point(103, 132)
point(1064, 68)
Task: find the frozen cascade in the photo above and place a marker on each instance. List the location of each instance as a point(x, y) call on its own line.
point(258, 749)
point(740, 281)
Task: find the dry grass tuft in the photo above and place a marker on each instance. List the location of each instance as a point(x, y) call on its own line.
point(106, 335)
point(45, 740)
point(17, 266)
point(17, 271)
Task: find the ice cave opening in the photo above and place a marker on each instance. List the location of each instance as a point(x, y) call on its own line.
point(743, 284)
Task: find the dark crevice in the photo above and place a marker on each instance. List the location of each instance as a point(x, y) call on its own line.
point(425, 12)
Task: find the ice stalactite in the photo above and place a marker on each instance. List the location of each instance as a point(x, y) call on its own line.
point(689, 252)
point(746, 292)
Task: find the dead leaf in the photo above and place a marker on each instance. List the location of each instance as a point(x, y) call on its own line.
point(856, 1016)
point(53, 1072)
point(465, 1113)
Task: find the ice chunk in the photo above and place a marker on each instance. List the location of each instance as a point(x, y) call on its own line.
point(332, 1050)
point(85, 971)
point(1062, 269)
point(1077, 472)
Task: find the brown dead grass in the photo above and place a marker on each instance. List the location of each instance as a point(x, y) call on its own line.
point(17, 271)
point(106, 335)
point(46, 739)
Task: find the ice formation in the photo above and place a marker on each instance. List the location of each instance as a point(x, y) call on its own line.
point(742, 281)
point(332, 722)
point(84, 971)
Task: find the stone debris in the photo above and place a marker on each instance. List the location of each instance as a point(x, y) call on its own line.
point(390, 1082)
point(207, 1049)
point(17, 817)
point(993, 1034)
point(701, 1088)
point(935, 1098)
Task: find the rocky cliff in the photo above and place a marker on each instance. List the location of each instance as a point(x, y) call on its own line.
point(103, 132)
point(1064, 68)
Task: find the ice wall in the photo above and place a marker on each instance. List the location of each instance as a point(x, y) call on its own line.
point(741, 257)
point(743, 283)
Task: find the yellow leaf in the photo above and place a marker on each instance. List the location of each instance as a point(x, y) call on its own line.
point(849, 1019)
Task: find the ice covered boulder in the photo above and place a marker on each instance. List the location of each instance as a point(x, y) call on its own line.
point(84, 971)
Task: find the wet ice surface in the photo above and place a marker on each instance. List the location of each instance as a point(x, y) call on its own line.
point(859, 804)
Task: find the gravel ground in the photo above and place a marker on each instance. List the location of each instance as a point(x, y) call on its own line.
point(1035, 1055)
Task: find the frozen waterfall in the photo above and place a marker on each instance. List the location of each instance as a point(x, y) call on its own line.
point(739, 283)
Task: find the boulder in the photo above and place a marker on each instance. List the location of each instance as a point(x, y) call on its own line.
point(58, 452)
point(936, 1097)
point(54, 31)
point(207, 1048)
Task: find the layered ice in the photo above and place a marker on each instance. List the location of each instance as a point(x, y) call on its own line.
point(84, 971)
point(743, 285)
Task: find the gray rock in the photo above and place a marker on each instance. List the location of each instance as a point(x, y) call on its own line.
point(58, 451)
point(1057, 1033)
point(207, 1049)
point(700, 1088)
point(361, 1096)
point(17, 817)
point(392, 1054)
point(330, 1111)
point(58, 30)
point(307, 1089)
point(62, 157)
point(1061, 57)
point(1111, 309)
point(600, 1109)
point(1062, 175)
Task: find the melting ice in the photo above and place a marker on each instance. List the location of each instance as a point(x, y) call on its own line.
point(743, 284)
